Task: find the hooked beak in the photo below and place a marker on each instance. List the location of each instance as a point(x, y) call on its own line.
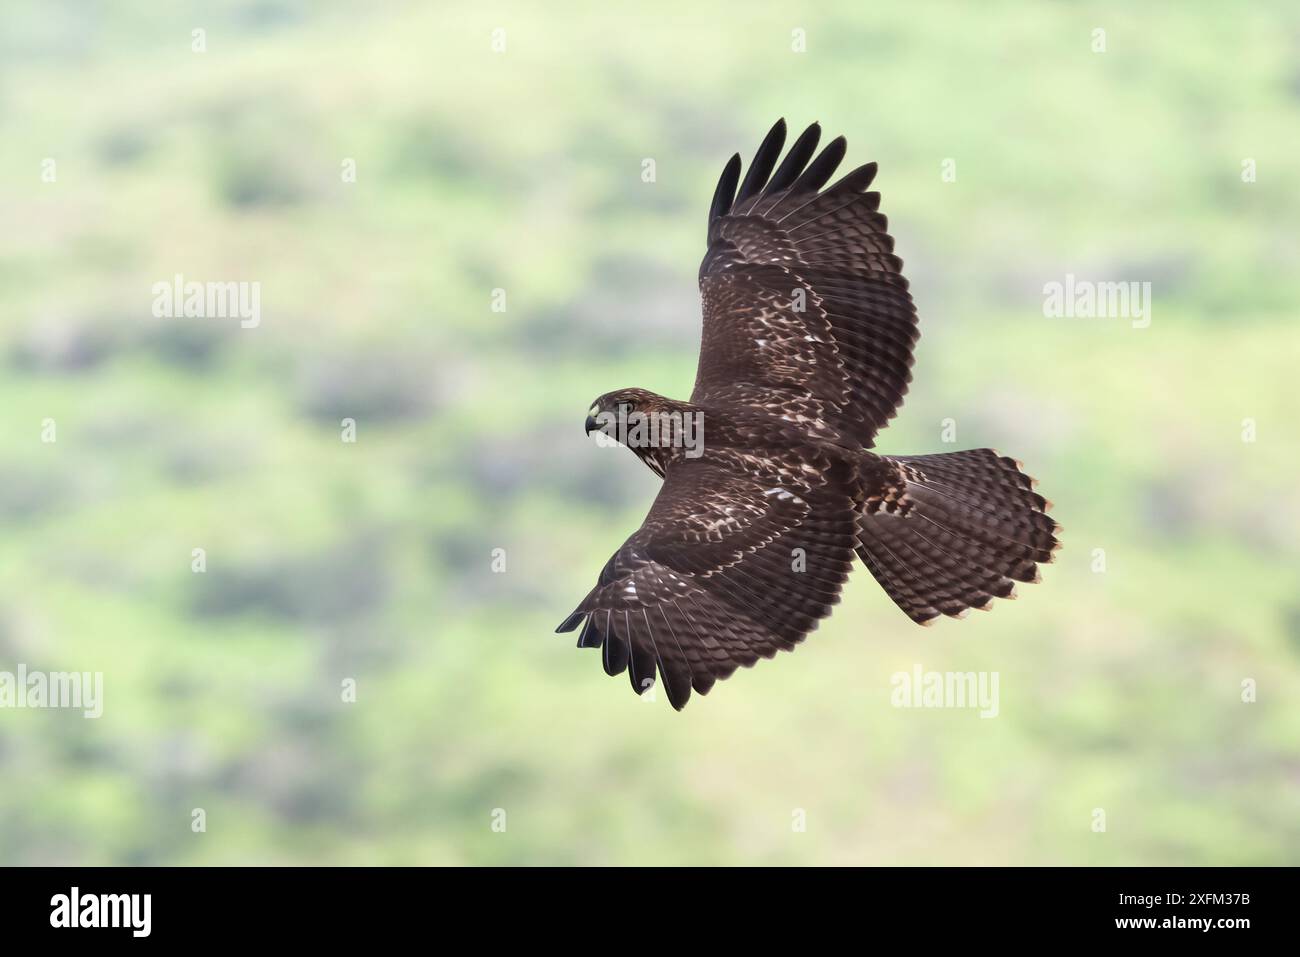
point(591, 424)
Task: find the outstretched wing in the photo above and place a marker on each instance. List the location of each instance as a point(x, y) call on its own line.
point(727, 568)
point(806, 311)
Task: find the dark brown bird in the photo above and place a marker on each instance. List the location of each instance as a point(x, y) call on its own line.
point(769, 488)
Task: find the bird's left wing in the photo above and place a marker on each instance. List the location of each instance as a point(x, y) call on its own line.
point(727, 567)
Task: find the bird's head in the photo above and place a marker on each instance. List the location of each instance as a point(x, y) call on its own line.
point(613, 413)
point(653, 427)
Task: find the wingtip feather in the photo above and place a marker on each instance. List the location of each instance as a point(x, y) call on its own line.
point(571, 622)
point(761, 166)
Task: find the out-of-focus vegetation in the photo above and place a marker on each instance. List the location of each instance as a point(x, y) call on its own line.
point(522, 170)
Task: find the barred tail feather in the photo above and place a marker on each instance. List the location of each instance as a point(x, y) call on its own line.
point(953, 531)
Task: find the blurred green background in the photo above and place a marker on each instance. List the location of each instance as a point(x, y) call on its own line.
point(520, 170)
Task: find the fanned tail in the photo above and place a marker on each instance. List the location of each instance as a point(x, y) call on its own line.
point(951, 532)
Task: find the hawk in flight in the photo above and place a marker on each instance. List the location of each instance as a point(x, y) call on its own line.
point(769, 488)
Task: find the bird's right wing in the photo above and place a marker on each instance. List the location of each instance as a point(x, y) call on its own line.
point(806, 311)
